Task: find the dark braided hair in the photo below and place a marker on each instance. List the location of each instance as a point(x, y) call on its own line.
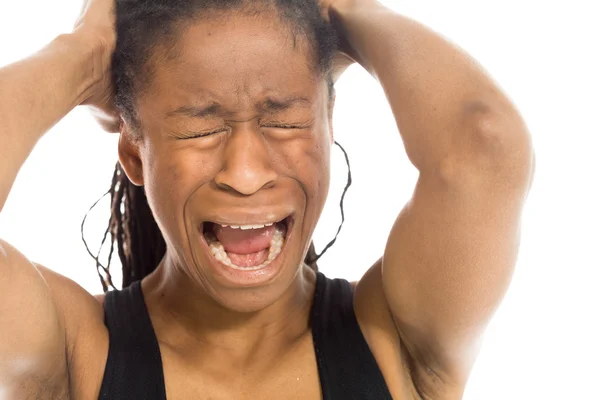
point(142, 26)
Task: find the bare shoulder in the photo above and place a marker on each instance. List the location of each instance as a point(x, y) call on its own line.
point(379, 329)
point(44, 317)
point(70, 296)
point(86, 334)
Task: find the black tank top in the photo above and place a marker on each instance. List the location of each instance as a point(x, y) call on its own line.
point(347, 368)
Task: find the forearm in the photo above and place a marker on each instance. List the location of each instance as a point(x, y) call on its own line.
point(438, 94)
point(35, 94)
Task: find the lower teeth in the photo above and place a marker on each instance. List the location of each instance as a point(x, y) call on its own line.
point(220, 254)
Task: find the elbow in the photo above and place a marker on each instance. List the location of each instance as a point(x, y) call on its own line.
point(500, 144)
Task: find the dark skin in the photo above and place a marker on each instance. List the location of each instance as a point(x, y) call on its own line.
point(422, 308)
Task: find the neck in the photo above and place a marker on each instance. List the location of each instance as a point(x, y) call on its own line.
point(185, 316)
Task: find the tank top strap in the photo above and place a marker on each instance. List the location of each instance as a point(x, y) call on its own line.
point(134, 367)
point(347, 368)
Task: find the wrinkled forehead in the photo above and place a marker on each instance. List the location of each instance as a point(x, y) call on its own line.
point(240, 60)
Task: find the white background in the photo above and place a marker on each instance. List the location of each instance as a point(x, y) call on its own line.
point(544, 341)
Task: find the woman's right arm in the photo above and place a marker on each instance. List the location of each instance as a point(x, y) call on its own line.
point(39, 91)
point(34, 95)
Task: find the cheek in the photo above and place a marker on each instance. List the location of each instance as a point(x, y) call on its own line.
point(319, 158)
point(310, 164)
point(175, 171)
point(314, 174)
point(171, 177)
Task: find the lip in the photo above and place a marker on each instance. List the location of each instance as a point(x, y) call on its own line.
point(235, 278)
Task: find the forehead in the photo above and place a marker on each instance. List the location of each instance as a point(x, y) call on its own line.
point(233, 59)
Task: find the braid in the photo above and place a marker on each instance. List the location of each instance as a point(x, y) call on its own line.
point(139, 241)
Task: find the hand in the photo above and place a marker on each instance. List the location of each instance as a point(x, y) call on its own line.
point(328, 7)
point(331, 10)
point(96, 27)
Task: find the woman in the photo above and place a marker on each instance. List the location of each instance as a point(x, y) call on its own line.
point(224, 112)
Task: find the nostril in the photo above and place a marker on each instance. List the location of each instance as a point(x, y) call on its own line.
point(269, 184)
point(245, 181)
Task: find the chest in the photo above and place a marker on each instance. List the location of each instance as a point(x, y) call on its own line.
point(288, 375)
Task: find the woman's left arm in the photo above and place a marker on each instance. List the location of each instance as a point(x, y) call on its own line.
point(451, 253)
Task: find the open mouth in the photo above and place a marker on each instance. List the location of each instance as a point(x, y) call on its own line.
point(247, 247)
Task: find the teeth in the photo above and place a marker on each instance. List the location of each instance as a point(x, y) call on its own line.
point(247, 227)
point(220, 254)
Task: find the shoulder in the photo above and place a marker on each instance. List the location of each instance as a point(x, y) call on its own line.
point(86, 335)
point(77, 305)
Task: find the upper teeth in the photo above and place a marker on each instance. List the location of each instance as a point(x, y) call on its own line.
point(246, 227)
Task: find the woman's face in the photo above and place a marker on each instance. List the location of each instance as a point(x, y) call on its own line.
point(236, 131)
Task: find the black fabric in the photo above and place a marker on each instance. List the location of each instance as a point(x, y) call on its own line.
point(134, 368)
point(347, 368)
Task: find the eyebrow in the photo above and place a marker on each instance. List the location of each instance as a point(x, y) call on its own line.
point(269, 105)
point(195, 111)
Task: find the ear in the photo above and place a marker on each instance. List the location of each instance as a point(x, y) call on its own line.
point(129, 155)
point(330, 112)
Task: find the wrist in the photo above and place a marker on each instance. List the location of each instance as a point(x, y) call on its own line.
point(95, 53)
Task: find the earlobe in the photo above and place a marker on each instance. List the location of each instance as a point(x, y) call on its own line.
point(129, 156)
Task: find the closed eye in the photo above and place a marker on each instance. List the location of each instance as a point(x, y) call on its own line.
point(203, 134)
point(285, 126)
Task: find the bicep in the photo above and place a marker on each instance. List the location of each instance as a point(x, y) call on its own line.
point(32, 349)
point(449, 260)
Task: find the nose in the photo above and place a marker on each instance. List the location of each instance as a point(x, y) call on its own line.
point(246, 163)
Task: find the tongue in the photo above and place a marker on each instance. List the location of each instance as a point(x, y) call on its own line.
point(248, 260)
point(244, 242)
